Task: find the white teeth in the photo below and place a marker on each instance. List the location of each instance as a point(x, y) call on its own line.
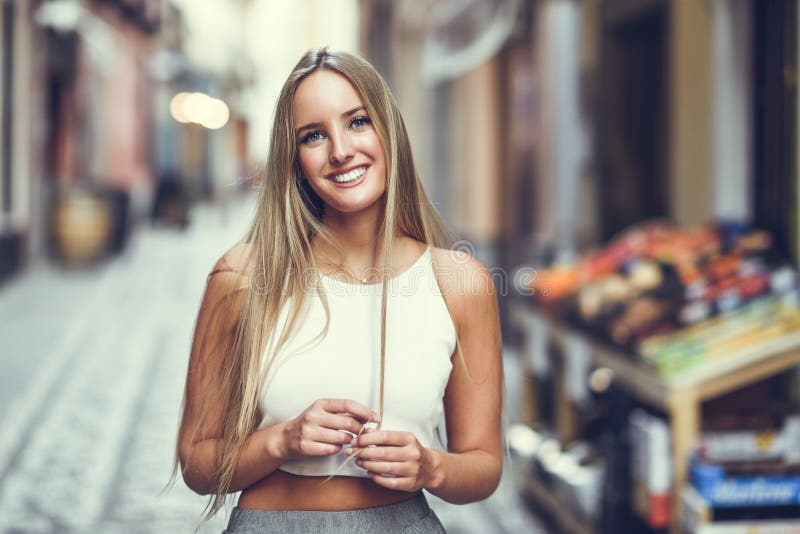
point(355, 174)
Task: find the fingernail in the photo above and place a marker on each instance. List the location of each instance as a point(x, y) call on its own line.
point(350, 451)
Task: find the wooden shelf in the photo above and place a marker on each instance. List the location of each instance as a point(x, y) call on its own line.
point(707, 380)
point(640, 379)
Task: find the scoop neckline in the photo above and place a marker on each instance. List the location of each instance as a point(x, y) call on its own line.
point(378, 284)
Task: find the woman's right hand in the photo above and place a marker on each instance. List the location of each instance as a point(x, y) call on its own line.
point(318, 431)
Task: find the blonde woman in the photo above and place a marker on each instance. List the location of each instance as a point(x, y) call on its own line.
point(330, 341)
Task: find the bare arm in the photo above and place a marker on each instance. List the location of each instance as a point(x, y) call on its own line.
point(260, 456)
point(471, 468)
point(200, 443)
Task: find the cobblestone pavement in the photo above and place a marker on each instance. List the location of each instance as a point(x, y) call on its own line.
point(93, 369)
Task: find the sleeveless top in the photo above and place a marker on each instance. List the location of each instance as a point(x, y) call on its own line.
point(345, 363)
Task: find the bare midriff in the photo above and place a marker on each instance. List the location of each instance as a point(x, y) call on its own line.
point(285, 491)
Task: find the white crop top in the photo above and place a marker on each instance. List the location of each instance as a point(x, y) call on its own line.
point(420, 338)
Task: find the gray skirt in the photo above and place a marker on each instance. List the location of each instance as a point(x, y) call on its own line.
point(412, 516)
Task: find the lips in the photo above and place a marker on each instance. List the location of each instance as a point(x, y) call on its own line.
point(349, 177)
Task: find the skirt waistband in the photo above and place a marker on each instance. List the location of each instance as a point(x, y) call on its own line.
point(388, 518)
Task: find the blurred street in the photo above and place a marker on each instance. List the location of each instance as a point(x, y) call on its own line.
point(92, 383)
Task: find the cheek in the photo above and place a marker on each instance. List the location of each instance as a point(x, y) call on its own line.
point(376, 149)
point(309, 162)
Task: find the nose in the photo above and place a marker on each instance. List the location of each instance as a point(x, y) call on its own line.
point(341, 148)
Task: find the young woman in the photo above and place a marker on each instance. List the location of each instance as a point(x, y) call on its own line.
point(330, 340)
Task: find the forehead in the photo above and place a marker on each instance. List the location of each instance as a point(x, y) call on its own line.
point(323, 95)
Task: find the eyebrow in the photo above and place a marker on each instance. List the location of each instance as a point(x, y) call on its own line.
point(312, 125)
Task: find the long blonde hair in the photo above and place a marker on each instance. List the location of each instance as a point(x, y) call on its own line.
point(288, 217)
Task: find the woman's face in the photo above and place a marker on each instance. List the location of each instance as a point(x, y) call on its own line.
point(338, 149)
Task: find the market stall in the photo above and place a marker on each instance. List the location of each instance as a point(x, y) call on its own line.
point(673, 318)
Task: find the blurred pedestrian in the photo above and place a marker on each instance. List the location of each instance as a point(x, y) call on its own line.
point(330, 340)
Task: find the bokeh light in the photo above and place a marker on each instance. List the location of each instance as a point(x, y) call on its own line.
point(199, 108)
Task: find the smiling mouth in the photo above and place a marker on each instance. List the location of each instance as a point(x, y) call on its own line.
point(349, 176)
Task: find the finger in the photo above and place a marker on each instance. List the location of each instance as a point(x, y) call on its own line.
point(356, 409)
point(316, 448)
point(395, 469)
point(385, 437)
point(389, 454)
point(340, 422)
point(326, 435)
point(397, 483)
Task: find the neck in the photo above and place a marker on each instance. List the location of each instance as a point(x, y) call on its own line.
point(357, 233)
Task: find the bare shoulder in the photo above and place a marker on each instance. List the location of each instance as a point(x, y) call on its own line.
point(462, 271)
point(236, 260)
point(231, 272)
point(466, 284)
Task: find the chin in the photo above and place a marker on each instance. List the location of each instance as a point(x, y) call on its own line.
point(356, 207)
point(349, 208)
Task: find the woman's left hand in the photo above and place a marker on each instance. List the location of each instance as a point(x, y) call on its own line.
point(395, 460)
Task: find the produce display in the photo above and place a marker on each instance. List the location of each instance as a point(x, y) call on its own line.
point(677, 296)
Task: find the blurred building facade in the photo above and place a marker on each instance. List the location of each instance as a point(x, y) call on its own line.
point(87, 141)
point(76, 113)
point(548, 127)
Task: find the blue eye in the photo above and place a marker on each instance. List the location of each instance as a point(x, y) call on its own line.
point(312, 137)
point(360, 122)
